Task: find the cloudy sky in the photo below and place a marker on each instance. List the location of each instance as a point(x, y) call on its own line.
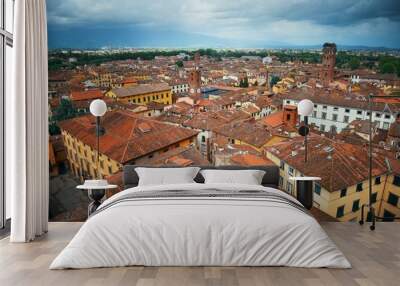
point(222, 23)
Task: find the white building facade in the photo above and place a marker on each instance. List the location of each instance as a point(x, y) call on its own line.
point(329, 117)
point(180, 88)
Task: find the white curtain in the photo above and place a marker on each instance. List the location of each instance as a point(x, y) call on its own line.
point(27, 124)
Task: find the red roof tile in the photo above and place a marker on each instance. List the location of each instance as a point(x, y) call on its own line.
point(250, 160)
point(273, 120)
point(86, 95)
point(339, 164)
point(127, 137)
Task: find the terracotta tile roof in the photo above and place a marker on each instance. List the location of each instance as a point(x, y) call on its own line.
point(224, 87)
point(180, 108)
point(263, 101)
point(82, 104)
point(204, 102)
point(213, 120)
point(357, 132)
point(155, 105)
point(339, 164)
point(182, 156)
point(128, 80)
point(179, 161)
point(246, 131)
point(140, 89)
point(176, 81)
point(127, 137)
point(362, 126)
point(86, 95)
point(251, 109)
point(250, 160)
point(394, 130)
point(273, 120)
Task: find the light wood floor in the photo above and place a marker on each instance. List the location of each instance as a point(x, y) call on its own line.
point(375, 257)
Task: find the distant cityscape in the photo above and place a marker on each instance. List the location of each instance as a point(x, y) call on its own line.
point(185, 107)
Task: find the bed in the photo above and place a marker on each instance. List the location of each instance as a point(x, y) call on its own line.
point(197, 224)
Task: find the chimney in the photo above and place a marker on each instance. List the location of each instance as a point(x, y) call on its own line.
point(290, 115)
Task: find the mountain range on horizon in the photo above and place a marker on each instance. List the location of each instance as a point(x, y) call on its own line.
point(89, 38)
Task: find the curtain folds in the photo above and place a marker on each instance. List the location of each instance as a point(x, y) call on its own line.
point(27, 124)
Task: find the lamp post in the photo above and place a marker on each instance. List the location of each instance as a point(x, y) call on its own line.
point(98, 108)
point(305, 108)
point(97, 186)
point(304, 185)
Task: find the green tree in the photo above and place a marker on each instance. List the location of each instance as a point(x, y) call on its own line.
point(179, 64)
point(274, 80)
point(54, 129)
point(354, 63)
point(388, 67)
point(64, 111)
point(244, 82)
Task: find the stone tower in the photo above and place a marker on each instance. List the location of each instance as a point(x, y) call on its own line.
point(197, 60)
point(195, 76)
point(328, 63)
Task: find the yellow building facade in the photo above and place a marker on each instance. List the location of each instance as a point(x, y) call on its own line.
point(389, 205)
point(83, 159)
point(142, 95)
point(345, 204)
point(108, 80)
point(283, 85)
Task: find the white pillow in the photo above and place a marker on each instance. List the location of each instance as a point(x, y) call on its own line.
point(166, 176)
point(247, 177)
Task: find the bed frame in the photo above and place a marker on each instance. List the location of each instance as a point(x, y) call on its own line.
point(271, 178)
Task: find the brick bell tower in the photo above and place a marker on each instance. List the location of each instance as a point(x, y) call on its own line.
point(328, 63)
point(195, 76)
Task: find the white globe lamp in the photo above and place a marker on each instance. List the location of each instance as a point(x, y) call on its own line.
point(305, 107)
point(98, 107)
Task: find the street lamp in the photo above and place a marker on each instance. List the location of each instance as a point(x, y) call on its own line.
point(98, 108)
point(304, 185)
point(305, 108)
point(97, 186)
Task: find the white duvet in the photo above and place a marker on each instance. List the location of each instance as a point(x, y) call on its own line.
point(203, 232)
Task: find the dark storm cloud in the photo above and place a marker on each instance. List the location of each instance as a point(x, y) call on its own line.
point(301, 22)
point(342, 13)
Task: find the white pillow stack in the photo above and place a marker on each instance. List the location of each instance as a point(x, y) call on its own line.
point(166, 176)
point(245, 177)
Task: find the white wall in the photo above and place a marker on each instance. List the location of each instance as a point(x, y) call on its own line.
point(385, 119)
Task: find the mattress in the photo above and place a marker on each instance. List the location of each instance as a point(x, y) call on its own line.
point(201, 225)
